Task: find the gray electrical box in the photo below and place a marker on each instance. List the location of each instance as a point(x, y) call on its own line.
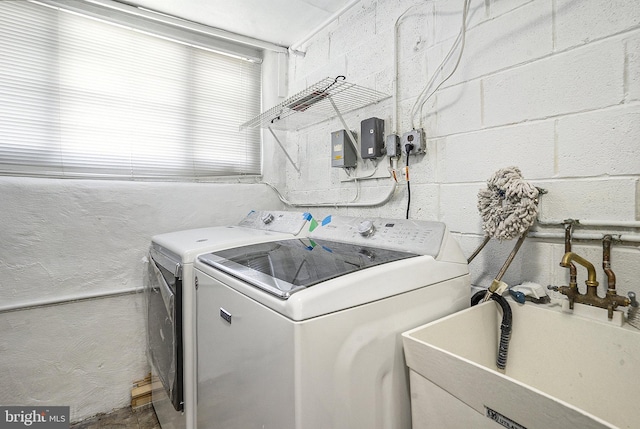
point(342, 152)
point(372, 138)
point(392, 145)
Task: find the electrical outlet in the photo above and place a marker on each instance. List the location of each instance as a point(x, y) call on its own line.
point(416, 138)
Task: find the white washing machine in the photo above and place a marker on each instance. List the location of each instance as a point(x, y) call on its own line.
point(305, 333)
point(171, 303)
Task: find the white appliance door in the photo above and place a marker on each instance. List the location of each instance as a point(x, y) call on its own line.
point(245, 361)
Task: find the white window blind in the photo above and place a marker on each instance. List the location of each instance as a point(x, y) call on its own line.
point(80, 97)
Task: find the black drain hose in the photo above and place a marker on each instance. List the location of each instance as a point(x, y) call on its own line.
point(505, 326)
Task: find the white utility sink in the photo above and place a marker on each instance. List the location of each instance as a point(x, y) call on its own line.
point(563, 371)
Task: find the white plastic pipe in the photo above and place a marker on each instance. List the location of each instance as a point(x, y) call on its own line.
point(611, 223)
point(296, 47)
point(190, 25)
point(598, 223)
point(68, 299)
point(584, 236)
point(384, 200)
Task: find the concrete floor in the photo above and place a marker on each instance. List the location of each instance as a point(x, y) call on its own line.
point(125, 418)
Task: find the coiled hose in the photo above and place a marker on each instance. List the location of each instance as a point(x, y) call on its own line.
point(505, 326)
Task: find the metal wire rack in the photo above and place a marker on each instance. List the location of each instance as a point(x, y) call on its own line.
point(328, 98)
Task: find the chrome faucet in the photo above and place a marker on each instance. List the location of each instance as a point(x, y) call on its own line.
point(611, 300)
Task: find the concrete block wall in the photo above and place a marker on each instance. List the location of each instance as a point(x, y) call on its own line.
point(550, 86)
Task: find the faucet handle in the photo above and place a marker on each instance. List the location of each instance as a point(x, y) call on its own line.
point(632, 297)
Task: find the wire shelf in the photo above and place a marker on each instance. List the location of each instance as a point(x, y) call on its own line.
point(317, 103)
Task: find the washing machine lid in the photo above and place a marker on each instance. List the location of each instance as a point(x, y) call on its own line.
point(256, 227)
point(286, 266)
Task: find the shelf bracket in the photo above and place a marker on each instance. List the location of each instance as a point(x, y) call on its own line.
point(283, 149)
point(346, 128)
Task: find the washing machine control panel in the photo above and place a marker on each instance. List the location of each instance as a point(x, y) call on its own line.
point(366, 228)
point(276, 221)
point(421, 237)
point(267, 218)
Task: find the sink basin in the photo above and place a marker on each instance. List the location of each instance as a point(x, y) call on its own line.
point(563, 371)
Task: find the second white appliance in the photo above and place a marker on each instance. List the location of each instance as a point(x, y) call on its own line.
point(171, 303)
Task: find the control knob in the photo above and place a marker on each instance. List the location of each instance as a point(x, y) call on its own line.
point(267, 218)
point(366, 228)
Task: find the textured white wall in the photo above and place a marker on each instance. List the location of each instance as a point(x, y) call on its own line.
point(84, 354)
point(551, 86)
point(65, 239)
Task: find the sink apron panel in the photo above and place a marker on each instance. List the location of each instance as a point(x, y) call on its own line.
point(562, 371)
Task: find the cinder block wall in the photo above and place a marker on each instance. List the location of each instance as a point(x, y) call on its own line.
point(550, 86)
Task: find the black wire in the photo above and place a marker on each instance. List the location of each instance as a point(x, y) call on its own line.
point(333, 83)
point(408, 150)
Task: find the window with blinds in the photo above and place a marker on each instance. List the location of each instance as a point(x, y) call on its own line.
point(83, 97)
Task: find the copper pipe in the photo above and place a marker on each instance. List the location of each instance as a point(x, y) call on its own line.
point(606, 264)
point(611, 300)
point(591, 297)
point(567, 235)
point(591, 271)
point(573, 271)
